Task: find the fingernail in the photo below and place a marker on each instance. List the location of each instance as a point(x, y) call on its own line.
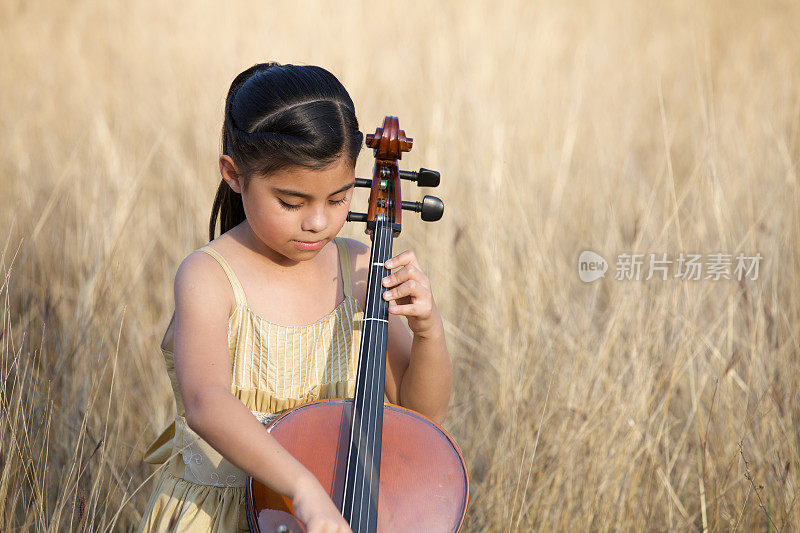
point(388, 264)
point(385, 280)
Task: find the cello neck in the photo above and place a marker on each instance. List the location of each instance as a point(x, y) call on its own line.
point(360, 500)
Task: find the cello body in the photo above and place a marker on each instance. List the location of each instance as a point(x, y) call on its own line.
point(423, 479)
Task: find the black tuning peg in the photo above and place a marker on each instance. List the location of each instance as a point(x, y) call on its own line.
point(363, 182)
point(356, 217)
point(431, 207)
point(424, 178)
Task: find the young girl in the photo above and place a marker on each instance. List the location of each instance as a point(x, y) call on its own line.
point(246, 341)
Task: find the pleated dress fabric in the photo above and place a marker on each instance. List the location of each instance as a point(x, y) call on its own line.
point(274, 368)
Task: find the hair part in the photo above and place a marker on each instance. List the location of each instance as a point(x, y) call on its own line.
point(279, 116)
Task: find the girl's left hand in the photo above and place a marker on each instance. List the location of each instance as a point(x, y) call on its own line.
point(410, 294)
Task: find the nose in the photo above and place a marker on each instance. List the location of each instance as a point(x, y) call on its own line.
point(315, 220)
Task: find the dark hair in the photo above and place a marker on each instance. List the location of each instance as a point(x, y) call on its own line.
point(278, 116)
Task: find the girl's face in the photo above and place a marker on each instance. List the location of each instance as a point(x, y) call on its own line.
point(296, 211)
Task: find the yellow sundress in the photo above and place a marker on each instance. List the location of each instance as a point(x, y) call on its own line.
point(274, 368)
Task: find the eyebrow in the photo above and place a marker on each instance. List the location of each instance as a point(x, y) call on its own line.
point(308, 196)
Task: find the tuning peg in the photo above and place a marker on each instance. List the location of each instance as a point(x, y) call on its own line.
point(356, 217)
point(363, 182)
point(424, 178)
point(431, 207)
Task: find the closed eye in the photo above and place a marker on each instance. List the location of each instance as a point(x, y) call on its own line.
point(288, 206)
point(291, 207)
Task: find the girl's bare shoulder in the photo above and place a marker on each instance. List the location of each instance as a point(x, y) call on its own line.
point(200, 281)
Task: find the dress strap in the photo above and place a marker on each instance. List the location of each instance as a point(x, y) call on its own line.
point(238, 291)
point(344, 265)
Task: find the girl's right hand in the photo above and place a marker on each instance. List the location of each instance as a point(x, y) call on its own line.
point(312, 506)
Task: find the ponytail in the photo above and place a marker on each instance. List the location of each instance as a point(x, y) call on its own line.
point(228, 205)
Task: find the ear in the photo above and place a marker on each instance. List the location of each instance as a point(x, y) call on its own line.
point(229, 172)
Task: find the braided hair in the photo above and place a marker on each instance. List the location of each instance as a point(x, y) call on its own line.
point(279, 116)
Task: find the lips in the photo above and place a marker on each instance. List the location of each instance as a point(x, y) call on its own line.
point(305, 245)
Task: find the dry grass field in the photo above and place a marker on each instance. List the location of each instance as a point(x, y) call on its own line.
point(558, 126)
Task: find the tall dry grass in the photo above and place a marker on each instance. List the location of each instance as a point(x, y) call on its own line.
point(618, 126)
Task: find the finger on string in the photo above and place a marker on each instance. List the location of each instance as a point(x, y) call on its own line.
point(393, 262)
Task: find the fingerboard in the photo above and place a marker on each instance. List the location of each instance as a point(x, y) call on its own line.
point(360, 502)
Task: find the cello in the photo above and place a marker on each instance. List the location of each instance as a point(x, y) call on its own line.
point(386, 468)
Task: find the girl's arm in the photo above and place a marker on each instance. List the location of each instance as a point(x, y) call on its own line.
point(426, 380)
point(202, 367)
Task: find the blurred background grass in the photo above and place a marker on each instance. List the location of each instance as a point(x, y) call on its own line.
point(617, 126)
